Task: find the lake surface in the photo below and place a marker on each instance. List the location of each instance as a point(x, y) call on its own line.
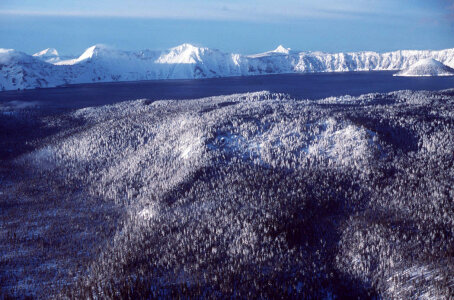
point(307, 86)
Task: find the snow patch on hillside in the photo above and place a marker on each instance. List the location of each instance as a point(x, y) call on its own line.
point(345, 144)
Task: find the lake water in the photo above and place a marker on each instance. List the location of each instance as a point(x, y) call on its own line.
point(307, 86)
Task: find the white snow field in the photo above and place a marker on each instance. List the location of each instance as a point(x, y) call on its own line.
point(247, 195)
point(101, 63)
point(427, 67)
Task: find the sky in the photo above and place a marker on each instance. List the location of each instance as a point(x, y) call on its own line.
point(241, 26)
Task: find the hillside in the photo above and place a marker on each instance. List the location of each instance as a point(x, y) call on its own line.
point(230, 196)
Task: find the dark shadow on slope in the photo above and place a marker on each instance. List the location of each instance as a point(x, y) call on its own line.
point(51, 231)
point(400, 138)
point(51, 227)
point(22, 131)
point(217, 106)
point(308, 222)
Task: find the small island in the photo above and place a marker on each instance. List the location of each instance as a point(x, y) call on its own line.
point(427, 67)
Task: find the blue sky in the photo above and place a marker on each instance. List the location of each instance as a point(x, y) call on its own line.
point(245, 26)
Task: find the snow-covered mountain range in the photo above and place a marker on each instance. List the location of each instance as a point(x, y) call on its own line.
point(104, 64)
point(427, 67)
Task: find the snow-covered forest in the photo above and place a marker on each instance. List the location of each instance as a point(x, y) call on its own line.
point(248, 195)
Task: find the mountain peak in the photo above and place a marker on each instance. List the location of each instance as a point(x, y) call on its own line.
point(281, 49)
point(88, 54)
point(183, 54)
point(429, 61)
point(92, 52)
point(185, 47)
point(47, 52)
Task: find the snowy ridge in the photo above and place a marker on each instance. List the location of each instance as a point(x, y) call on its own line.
point(100, 63)
point(427, 67)
point(21, 71)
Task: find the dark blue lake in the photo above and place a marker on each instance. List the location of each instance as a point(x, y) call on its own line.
point(309, 86)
